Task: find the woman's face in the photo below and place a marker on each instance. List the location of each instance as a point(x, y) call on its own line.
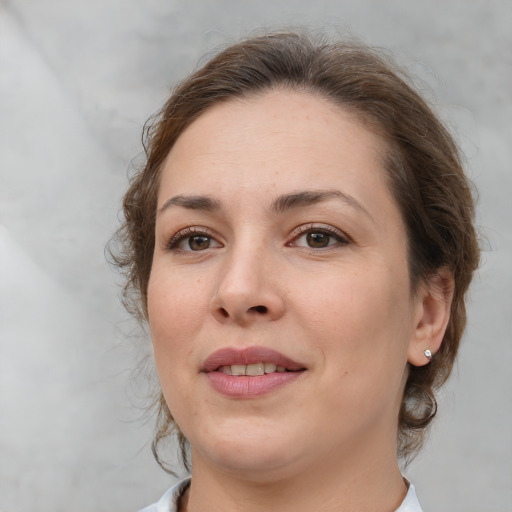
point(280, 252)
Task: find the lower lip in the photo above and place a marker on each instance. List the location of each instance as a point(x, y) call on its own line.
point(250, 386)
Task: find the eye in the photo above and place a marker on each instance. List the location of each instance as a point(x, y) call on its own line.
point(196, 243)
point(319, 237)
point(192, 240)
point(319, 240)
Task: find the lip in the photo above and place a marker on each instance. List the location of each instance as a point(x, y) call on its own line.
point(249, 355)
point(245, 386)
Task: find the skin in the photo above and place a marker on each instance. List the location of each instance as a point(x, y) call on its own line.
point(327, 440)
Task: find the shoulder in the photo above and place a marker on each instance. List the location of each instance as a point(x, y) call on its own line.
point(168, 502)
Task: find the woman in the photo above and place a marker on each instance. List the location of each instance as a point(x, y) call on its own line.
point(300, 243)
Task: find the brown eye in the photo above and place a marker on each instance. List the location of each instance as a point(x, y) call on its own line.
point(199, 242)
point(318, 240)
point(190, 240)
point(321, 237)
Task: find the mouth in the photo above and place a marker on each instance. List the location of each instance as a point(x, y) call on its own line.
point(252, 361)
point(253, 369)
point(250, 372)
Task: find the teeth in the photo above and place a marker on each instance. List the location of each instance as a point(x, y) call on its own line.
point(270, 367)
point(238, 369)
point(252, 369)
point(255, 369)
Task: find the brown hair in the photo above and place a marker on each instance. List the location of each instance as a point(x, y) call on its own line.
point(423, 168)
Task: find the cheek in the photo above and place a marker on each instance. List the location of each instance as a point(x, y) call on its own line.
point(172, 301)
point(351, 299)
point(174, 310)
point(172, 313)
point(359, 319)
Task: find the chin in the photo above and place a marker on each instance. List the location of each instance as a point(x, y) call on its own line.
point(254, 454)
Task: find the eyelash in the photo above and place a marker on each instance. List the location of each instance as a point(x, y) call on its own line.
point(190, 232)
point(183, 234)
point(340, 237)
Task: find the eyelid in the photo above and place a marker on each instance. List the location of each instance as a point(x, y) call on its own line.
point(189, 232)
point(343, 237)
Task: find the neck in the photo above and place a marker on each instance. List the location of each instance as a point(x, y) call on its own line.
point(355, 484)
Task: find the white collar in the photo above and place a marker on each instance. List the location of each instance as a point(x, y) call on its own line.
point(169, 501)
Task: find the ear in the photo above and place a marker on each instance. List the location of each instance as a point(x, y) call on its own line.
point(432, 313)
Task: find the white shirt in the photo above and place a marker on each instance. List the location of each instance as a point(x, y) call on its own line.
point(168, 502)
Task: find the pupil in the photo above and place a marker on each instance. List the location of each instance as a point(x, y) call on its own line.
point(198, 243)
point(317, 239)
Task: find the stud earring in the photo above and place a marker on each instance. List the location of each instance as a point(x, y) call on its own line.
point(428, 354)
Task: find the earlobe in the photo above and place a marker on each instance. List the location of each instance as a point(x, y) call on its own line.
point(434, 301)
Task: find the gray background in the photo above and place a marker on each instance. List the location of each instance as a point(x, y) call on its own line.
point(77, 81)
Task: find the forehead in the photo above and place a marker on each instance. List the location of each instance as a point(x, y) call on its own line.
point(280, 139)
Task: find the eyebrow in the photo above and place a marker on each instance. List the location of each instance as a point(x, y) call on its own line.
point(283, 203)
point(310, 197)
point(204, 203)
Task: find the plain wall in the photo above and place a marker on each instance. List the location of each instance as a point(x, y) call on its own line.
point(77, 81)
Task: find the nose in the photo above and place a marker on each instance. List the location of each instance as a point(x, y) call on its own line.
point(248, 290)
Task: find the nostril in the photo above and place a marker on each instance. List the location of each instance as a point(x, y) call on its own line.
point(259, 309)
point(223, 312)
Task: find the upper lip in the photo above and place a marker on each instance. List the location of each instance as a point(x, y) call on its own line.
point(249, 355)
